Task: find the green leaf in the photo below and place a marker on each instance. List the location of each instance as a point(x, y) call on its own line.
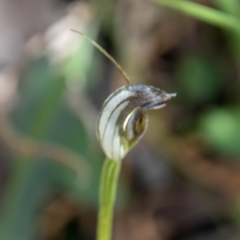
point(231, 6)
point(203, 13)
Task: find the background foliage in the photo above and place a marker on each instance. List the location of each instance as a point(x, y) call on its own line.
point(183, 180)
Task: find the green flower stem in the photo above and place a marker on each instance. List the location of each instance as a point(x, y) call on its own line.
point(108, 189)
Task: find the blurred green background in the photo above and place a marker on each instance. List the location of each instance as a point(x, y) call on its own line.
point(182, 182)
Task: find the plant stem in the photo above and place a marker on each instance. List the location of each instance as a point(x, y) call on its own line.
point(108, 189)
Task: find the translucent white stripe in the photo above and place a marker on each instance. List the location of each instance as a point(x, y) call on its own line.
point(118, 150)
point(108, 137)
point(116, 145)
point(111, 104)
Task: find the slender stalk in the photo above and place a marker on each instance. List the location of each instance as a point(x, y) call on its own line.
point(108, 189)
point(104, 52)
